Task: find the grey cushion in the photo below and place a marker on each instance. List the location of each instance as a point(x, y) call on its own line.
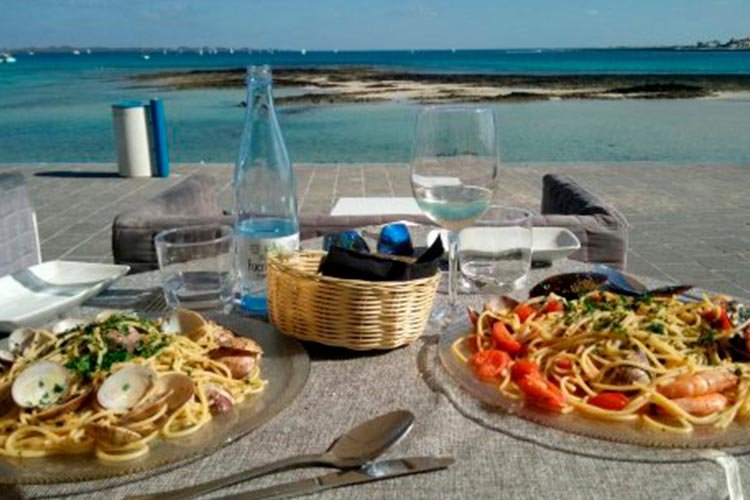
point(602, 229)
point(19, 241)
point(190, 202)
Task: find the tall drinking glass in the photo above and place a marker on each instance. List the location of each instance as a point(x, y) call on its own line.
point(454, 169)
point(495, 252)
point(196, 266)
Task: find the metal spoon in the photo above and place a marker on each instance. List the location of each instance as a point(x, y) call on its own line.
point(360, 445)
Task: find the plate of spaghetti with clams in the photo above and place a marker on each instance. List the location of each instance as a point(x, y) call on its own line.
point(121, 393)
point(665, 371)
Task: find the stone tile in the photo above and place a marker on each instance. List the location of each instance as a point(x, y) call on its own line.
point(724, 262)
point(638, 265)
point(686, 220)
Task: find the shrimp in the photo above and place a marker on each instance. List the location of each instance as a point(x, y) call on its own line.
point(698, 384)
point(700, 406)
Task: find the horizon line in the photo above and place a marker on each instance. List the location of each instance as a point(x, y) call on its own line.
point(100, 48)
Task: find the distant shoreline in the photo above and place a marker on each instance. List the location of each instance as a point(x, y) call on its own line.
point(357, 84)
point(68, 50)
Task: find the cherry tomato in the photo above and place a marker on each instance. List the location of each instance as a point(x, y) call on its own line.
point(473, 342)
point(564, 364)
point(524, 311)
point(720, 320)
point(541, 392)
point(504, 340)
point(724, 322)
point(615, 401)
point(552, 306)
point(522, 368)
point(489, 365)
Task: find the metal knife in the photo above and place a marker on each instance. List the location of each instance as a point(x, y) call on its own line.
point(377, 471)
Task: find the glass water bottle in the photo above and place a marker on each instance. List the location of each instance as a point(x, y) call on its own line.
point(265, 201)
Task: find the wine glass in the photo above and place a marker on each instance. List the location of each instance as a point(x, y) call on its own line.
point(454, 168)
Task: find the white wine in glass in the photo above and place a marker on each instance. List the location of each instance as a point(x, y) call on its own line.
point(454, 168)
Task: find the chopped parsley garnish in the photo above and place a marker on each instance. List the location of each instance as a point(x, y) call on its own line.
point(112, 357)
point(83, 365)
point(602, 323)
point(656, 328)
point(58, 388)
point(646, 299)
point(125, 387)
point(41, 383)
point(125, 337)
point(708, 338)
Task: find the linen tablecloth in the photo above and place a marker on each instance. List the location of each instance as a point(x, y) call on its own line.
point(494, 458)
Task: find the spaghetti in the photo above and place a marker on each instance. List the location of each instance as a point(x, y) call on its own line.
point(658, 362)
point(112, 386)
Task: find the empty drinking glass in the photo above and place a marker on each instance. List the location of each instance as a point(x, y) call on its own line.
point(496, 250)
point(196, 266)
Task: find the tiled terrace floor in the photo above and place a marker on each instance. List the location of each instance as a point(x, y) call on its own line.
point(689, 223)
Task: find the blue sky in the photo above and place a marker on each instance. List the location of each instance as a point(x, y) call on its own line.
point(375, 24)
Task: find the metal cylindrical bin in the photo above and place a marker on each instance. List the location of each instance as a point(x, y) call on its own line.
point(159, 136)
point(132, 139)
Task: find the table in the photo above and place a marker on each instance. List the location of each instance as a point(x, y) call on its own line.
point(345, 388)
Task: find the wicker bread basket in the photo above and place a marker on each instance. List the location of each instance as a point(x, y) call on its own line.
point(355, 314)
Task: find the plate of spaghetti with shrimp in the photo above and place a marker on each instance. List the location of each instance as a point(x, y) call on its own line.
point(654, 370)
point(120, 393)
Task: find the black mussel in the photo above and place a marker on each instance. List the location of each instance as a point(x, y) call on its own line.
point(737, 349)
point(569, 285)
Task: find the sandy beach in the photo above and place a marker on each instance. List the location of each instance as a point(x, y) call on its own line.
point(358, 84)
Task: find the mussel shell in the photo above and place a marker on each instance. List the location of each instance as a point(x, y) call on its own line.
point(68, 406)
point(66, 324)
point(172, 390)
point(41, 384)
point(501, 303)
point(6, 360)
point(569, 285)
point(180, 389)
point(125, 388)
point(112, 435)
point(220, 400)
point(184, 322)
point(20, 339)
point(6, 401)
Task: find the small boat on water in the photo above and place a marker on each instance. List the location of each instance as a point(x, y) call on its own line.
point(76, 52)
point(146, 56)
point(7, 58)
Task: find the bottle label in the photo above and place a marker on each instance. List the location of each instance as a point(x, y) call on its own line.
point(252, 252)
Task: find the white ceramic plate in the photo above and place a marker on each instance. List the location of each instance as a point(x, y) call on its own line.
point(553, 243)
point(549, 243)
point(42, 292)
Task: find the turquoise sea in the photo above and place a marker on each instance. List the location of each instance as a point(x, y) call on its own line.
point(56, 108)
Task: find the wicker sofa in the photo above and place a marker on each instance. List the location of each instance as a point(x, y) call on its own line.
point(603, 231)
